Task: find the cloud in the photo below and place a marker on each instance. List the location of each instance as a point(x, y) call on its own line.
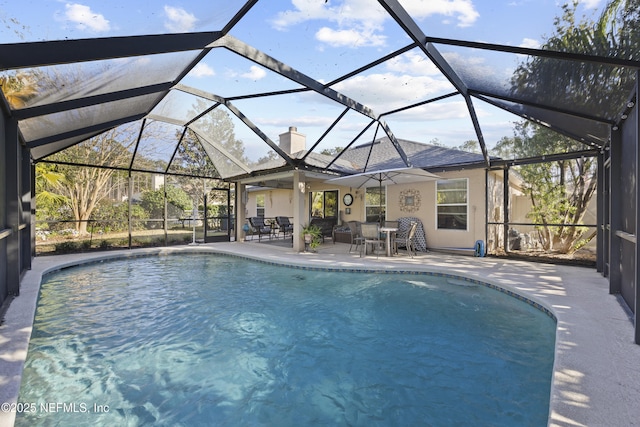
point(530, 43)
point(202, 70)
point(462, 10)
point(590, 4)
point(179, 20)
point(413, 63)
point(475, 66)
point(344, 13)
point(391, 90)
point(301, 121)
point(358, 23)
point(435, 111)
point(353, 23)
point(407, 79)
point(255, 73)
point(351, 37)
point(85, 18)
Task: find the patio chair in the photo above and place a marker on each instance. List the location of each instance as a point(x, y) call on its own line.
point(407, 240)
point(371, 236)
point(284, 225)
point(356, 235)
point(259, 227)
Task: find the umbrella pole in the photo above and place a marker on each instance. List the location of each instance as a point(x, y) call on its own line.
point(380, 200)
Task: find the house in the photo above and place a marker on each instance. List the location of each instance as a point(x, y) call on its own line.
point(452, 208)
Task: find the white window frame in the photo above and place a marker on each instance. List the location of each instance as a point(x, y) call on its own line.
point(260, 205)
point(367, 205)
point(466, 204)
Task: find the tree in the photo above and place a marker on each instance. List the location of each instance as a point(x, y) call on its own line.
point(19, 88)
point(111, 217)
point(194, 152)
point(559, 191)
point(47, 201)
point(332, 151)
point(216, 127)
point(193, 160)
point(585, 85)
point(153, 201)
point(269, 157)
point(84, 187)
point(470, 146)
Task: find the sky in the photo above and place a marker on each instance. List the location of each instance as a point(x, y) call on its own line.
point(324, 40)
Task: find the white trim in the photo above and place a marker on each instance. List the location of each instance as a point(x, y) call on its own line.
point(436, 205)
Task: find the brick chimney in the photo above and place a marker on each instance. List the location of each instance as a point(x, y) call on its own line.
point(292, 141)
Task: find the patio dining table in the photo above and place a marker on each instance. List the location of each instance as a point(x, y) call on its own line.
point(388, 231)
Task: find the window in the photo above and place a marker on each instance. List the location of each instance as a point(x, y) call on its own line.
point(375, 204)
point(452, 204)
point(260, 205)
point(324, 204)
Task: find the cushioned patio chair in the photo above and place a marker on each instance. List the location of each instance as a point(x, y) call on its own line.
point(259, 227)
point(284, 225)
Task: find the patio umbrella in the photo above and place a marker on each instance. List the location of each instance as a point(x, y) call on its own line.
point(384, 177)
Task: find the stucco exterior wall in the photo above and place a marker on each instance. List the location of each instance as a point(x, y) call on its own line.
point(427, 211)
point(279, 202)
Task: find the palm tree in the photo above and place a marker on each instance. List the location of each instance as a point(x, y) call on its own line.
point(47, 178)
point(19, 88)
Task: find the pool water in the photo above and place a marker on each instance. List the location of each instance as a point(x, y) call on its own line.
point(215, 340)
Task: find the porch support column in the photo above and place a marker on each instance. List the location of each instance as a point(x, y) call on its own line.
point(299, 218)
point(241, 211)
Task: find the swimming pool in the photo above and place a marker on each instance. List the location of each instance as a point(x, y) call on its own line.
point(216, 340)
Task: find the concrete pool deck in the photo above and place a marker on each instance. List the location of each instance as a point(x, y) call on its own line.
point(596, 379)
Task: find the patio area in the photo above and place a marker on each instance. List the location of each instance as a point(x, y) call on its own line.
point(596, 375)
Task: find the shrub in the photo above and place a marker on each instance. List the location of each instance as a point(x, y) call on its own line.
point(66, 247)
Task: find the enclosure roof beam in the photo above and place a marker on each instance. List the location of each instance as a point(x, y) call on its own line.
point(418, 104)
point(502, 163)
point(95, 129)
point(38, 54)
point(542, 53)
point(290, 73)
point(404, 20)
point(72, 104)
point(285, 70)
point(484, 94)
point(590, 142)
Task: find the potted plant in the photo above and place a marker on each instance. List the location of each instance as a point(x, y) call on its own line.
point(312, 235)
